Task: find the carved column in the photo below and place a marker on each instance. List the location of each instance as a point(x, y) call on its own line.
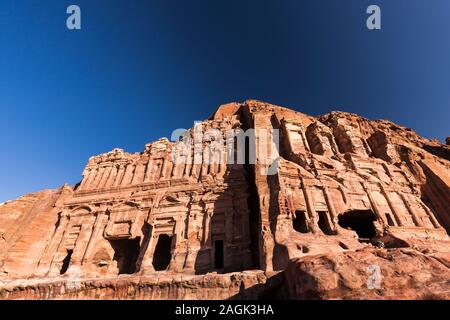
point(206, 162)
point(119, 177)
point(139, 173)
point(167, 168)
point(193, 238)
point(304, 139)
point(207, 239)
point(215, 159)
point(50, 251)
point(222, 162)
point(332, 210)
point(55, 264)
point(81, 243)
point(105, 177)
point(207, 235)
point(161, 169)
point(98, 177)
point(310, 207)
point(147, 260)
point(197, 162)
point(187, 170)
point(433, 219)
point(179, 226)
point(158, 169)
point(373, 204)
point(128, 176)
point(165, 165)
point(411, 211)
point(179, 167)
point(178, 253)
point(112, 177)
point(148, 171)
point(99, 226)
point(92, 177)
point(397, 216)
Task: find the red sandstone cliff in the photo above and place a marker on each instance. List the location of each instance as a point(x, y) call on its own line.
point(350, 209)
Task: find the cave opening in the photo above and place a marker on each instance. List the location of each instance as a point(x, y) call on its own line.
point(299, 223)
point(66, 262)
point(360, 221)
point(162, 255)
point(218, 254)
point(126, 252)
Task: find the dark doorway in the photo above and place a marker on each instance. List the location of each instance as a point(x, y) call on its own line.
point(66, 262)
point(126, 252)
point(162, 255)
point(324, 223)
point(218, 254)
point(359, 221)
point(299, 223)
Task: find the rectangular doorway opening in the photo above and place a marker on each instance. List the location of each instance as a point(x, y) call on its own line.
point(324, 223)
point(300, 223)
point(218, 254)
point(360, 221)
point(162, 255)
point(126, 252)
point(66, 262)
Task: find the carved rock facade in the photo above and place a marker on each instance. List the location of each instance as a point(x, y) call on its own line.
point(342, 184)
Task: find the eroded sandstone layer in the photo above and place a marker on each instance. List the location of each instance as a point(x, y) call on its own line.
point(405, 274)
point(347, 194)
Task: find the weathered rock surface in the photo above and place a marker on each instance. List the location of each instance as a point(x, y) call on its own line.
point(241, 285)
point(404, 274)
point(340, 187)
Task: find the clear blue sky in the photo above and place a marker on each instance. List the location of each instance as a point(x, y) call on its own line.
point(139, 69)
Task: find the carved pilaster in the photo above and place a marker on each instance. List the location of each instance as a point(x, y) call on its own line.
point(139, 174)
point(105, 177)
point(313, 219)
point(81, 243)
point(396, 214)
point(99, 226)
point(112, 177)
point(120, 175)
point(128, 176)
point(331, 209)
point(380, 215)
point(411, 211)
point(50, 251)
